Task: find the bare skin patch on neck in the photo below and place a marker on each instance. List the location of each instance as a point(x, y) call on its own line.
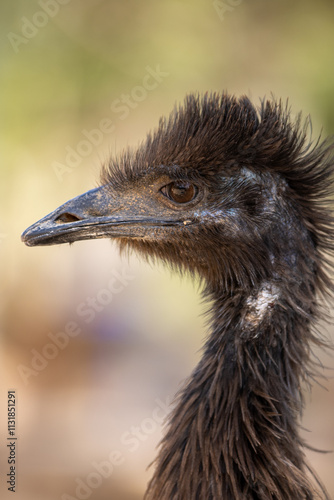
point(260, 304)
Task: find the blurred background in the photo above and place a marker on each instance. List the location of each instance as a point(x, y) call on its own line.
point(79, 81)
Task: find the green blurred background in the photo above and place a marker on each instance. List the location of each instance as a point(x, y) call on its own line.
point(65, 67)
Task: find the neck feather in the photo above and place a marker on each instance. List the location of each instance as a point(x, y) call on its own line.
point(234, 430)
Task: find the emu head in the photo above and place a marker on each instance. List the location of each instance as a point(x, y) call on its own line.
point(218, 189)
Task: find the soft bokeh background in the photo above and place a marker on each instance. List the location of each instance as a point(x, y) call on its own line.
point(62, 75)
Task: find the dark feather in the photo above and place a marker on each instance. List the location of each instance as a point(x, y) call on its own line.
point(234, 431)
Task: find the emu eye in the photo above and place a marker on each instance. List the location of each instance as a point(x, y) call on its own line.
point(180, 191)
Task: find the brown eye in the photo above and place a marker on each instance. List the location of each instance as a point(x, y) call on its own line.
point(180, 192)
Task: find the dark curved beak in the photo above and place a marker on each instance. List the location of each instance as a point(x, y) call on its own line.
point(99, 213)
point(81, 218)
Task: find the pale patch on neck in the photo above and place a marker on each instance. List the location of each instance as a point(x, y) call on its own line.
point(260, 304)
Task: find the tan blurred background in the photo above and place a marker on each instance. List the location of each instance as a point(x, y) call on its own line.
point(65, 66)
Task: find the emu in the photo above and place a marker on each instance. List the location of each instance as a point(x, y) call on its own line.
point(237, 196)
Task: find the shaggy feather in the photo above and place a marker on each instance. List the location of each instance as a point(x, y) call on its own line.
point(261, 247)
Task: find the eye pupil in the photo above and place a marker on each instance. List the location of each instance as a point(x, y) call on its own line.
point(181, 192)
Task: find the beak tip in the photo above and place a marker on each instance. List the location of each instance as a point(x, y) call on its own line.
point(25, 238)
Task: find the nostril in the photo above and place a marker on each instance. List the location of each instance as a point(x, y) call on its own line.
point(67, 217)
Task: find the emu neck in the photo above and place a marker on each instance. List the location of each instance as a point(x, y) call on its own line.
point(233, 433)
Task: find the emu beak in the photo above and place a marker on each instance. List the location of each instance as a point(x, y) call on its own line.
point(99, 213)
point(83, 217)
